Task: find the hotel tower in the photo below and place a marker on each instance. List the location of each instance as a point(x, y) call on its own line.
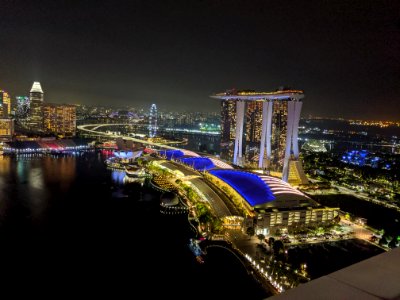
point(261, 129)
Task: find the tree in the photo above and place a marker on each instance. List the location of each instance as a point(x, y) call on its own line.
point(250, 231)
point(205, 218)
point(386, 238)
point(278, 247)
point(271, 241)
point(261, 237)
point(319, 231)
point(217, 225)
point(393, 243)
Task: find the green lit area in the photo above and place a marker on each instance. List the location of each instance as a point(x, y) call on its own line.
point(209, 127)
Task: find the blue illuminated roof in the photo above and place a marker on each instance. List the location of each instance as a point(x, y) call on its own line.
point(198, 163)
point(172, 154)
point(250, 186)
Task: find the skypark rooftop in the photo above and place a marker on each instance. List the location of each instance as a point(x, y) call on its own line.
point(253, 95)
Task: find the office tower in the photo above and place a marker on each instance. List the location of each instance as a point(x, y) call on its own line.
point(263, 127)
point(36, 109)
point(59, 119)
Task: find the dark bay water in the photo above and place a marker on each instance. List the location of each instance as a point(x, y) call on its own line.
point(62, 232)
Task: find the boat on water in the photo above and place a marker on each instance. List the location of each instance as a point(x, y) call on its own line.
point(195, 248)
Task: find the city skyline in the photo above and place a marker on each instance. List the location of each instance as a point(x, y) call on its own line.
point(217, 149)
point(177, 54)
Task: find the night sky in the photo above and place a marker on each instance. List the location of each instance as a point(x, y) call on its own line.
point(345, 54)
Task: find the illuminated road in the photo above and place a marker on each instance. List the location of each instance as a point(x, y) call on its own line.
point(216, 202)
point(94, 127)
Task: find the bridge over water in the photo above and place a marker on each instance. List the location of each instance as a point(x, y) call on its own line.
point(93, 129)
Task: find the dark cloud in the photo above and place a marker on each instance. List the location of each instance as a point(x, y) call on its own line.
point(344, 54)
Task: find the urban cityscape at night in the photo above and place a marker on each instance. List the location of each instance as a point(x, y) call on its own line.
point(200, 149)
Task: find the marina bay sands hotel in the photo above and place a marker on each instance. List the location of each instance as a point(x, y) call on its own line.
point(260, 130)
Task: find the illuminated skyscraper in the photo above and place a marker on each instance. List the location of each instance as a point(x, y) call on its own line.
point(228, 127)
point(6, 129)
point(36, 107)
point(23, 107)
point(153, 121)
point(263, 126)
point(5, 104)
point(278, 134)
point(59, 119)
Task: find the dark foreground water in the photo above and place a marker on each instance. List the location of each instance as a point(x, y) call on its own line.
point(64, 232)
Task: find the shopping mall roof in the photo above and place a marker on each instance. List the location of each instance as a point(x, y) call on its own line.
point(256, 189)
point(190, 158)
point(198, 163)
point(172, 154)
point(248, 185)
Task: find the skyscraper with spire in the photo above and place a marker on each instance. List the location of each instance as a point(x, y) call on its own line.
point(153, 121)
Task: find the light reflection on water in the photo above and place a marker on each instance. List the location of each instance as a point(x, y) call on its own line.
point(118, 176)
point(26, 182)
point(73, 229)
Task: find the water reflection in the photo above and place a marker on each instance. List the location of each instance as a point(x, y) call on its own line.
point(72, 230)
point(60, 171)
point(4, 165)
point(118, 177)
point(28, 181)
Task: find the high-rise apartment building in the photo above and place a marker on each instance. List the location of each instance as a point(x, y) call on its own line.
point(36, 107)
point(59, 119)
